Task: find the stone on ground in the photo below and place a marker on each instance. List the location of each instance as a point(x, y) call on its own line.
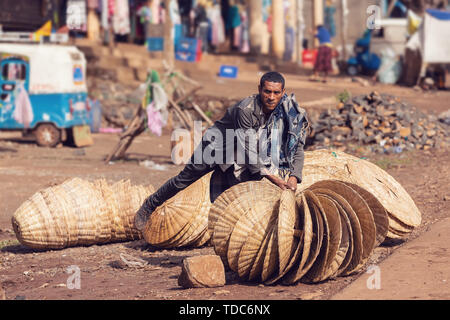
point(202, 272)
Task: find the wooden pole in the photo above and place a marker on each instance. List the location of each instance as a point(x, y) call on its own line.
point(344, 13)
point(256, 25)
point(278, 28)
point(181, 115)
point(201, 113)
point(317, 17)
point(292, 23)
point(300, 31)
point(93, 25)
point(169, 54)
point(318, 12)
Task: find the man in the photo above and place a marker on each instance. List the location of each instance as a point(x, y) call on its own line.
point(268, 132)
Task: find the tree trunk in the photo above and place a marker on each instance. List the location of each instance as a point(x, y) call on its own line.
point(169, 50)
point(317, 17)
point(278, 28)
point(256, 25)
point(292, 23)
point(300, 31)
point(344, 17)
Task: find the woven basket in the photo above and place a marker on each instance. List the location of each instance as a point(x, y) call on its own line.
point(403, 214)
point(328, 228)
point(182, 220)
point(79, 212)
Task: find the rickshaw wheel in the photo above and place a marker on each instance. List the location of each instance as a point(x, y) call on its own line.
point(47, 135)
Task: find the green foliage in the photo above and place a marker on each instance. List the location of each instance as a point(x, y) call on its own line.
point(208, 113)
point(343, 96)
point(7, 243)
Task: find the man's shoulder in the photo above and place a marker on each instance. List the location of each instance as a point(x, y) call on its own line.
point(247, 104)
point(294, 107)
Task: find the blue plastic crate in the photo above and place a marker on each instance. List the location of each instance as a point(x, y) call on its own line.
point(155, 44)
point(186, 56)
point(228, 71)
point(187, 44)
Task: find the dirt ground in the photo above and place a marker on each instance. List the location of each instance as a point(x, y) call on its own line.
point(26, 168)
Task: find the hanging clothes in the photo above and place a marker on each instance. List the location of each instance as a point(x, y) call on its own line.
point(289, 43)
point(145, 14)
point(154, 120)
point(217, 25)
point(202, 33)
point(237, 33)
point(23, 112)
point(121, 18)
point(111, 7)
point(234, 18)
point(200, 15)
point(245, 37)
point(76, 15)
point(174, 12)
point(329, 21)
point(202, 25)
point(104, 14)
point(266, 7)
point(155, 102)
point(156, 11)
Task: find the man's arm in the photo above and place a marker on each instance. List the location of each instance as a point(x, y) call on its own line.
point(297, 163)
point(244, 129)
point(296, 167)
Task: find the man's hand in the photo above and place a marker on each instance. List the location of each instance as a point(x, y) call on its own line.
point(290, 184)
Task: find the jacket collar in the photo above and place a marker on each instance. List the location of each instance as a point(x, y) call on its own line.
point(257, 110)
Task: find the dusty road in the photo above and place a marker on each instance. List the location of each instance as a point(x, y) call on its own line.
point(27, 274)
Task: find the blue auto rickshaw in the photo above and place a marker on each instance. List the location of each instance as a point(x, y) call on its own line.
point(43, 91)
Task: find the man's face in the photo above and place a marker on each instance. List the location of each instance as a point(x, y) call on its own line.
point(271, 93)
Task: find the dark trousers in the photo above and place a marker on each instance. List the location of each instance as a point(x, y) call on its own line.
point(220, 181)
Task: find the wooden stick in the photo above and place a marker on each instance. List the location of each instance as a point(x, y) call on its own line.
point(201, 113)
point(188, 94)
point(180, 113)
point(182, 76)
point(136, 127)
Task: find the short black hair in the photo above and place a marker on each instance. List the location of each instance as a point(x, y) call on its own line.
point(272, 76)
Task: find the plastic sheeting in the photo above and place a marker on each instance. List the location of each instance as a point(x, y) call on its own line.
point(435, 35)
point(391, 67)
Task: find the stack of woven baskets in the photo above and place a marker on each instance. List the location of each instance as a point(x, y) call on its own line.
point(327, 230)
point(342, 210)
point(79, 212)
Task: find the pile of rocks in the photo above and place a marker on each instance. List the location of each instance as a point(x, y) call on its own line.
point(380, 121)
